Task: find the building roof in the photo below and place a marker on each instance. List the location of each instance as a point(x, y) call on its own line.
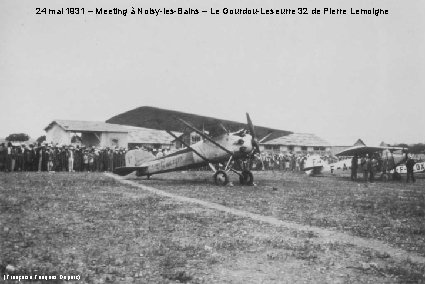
point(87, 126)
point(149, 136)
point(299, 139)
point(359, 142)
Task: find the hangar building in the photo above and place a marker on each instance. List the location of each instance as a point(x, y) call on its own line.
point(271, 140)
point(301, 143)
point(95, 133)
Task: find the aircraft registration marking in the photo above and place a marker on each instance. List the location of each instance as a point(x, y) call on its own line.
point(418, 167)
point(168, 162)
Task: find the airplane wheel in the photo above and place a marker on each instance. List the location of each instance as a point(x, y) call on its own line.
point(246, 178)
point(385, 177)
point(221, 178)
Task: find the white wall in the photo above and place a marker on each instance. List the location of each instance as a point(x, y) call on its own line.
point(57, 134)
point(108, 137)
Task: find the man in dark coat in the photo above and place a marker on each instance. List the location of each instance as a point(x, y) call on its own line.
point(77, 159)
point(33, 158)
point(20, 158)
point(27, 164)
point(39, 157)
point(3, 153)
point(410, 168)
point(64, 158)
point(370, 170)
point(45, 160)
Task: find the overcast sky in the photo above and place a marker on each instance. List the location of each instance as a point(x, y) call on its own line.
point(342, 77)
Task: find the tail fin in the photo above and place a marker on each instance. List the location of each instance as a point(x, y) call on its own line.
point(136, 158)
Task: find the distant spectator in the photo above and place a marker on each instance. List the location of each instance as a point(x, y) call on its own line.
point(3, 154)
point(85, 161)
point(410, 168)
point(70, 155)
point(10, 157)
point(91, 155)
point(50, 159)
point(370, 168)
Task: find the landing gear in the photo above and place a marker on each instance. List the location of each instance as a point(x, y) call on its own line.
point(396, 176)
point(221, 178)
point(385, 177)
point(221, 175)
point(246, 177)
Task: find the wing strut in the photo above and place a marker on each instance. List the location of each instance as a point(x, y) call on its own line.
point(189, 147)
point(205, 136)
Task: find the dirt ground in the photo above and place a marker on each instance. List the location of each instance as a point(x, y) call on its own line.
point(103, 231)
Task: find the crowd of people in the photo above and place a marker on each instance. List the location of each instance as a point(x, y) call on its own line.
point(56, 158)
point(371, 164)
point(285, 162)
point(48, 157)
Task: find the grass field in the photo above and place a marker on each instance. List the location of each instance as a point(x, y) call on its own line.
point(393, 212)
point(91, 226)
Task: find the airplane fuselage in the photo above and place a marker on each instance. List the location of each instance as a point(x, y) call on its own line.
point(187, 158)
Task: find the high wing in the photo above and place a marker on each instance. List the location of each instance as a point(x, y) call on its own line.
point(202, 134)
point(188, 146)
point(362, 150)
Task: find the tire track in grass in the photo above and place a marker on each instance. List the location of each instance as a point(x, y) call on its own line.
point(324, 235)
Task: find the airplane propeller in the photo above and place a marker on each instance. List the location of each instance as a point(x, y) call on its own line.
point(254, 141)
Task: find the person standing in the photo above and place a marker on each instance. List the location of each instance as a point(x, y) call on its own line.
point(85, 161)
point(50, 159)
point(64, 158)
point(97, 164)
point(354, 167)
point(3, 154)
point(373, 167)
point(77, 159)
point(26, 164)
point(11, 156)
point(91, 155)
point(110, 160)
point(410, 168)
point(39, 157)
point(45, 163)
point(70, 155)
point(20, 157)
point(54, 159)
point(105, 155)
point(364, 167)
point(33, 158)
point(57, 162)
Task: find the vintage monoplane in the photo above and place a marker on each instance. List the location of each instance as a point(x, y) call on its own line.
point(388, 159)
point(220, 153)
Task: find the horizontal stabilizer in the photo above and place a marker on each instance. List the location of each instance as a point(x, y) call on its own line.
point(312, 168)
point(124, 171)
